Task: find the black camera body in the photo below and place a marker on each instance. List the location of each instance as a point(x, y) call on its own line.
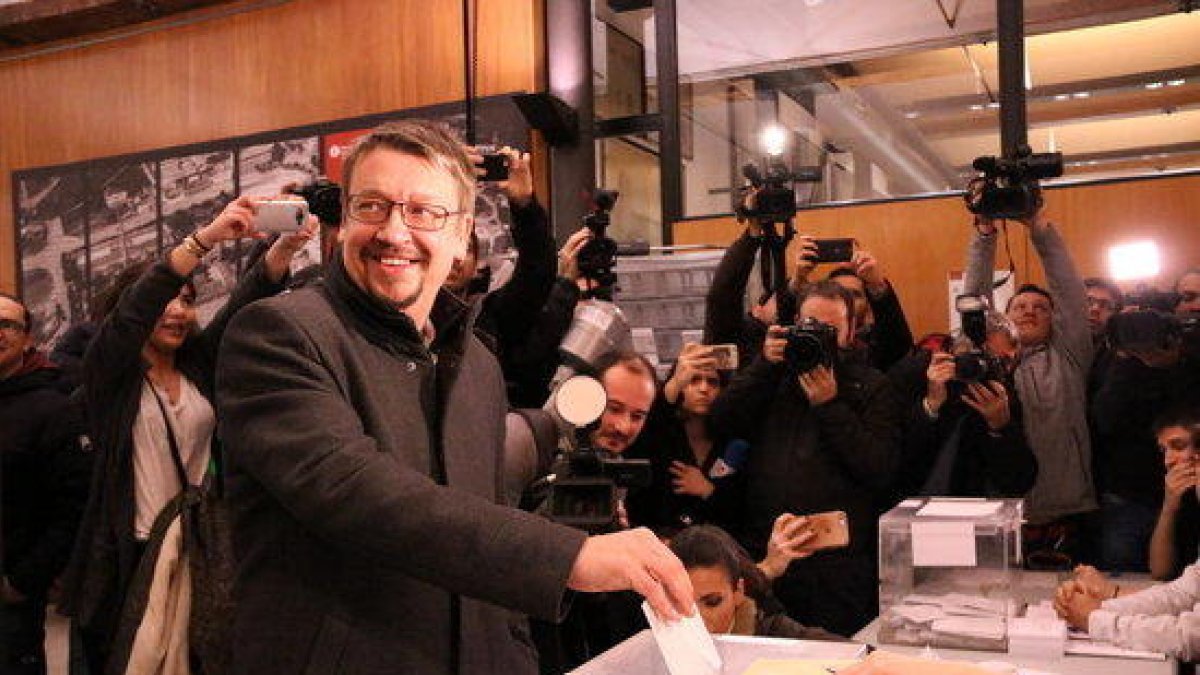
point(324, 198)
point(810, 343)
point(1008, 187)
point(495, 164)
point(587, 487)
point(598, 257)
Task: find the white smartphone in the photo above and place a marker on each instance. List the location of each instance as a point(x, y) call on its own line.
point(280, 215)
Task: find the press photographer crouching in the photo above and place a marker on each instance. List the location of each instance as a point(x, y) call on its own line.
point(964, 435)
point(825, 428)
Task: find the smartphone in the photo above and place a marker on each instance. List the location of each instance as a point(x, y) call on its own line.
point(834, 250)
point(832, 530)
point(726, 356)
point(280, 215)
point(495, 164)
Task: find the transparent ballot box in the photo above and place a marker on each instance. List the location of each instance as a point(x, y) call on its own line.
point(640, 655)
point(948, 572)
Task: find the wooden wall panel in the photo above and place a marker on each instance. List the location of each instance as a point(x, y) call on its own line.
point(919, 242)
point(298, 63)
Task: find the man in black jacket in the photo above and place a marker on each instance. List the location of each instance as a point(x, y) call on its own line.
point(364, 425)
point(42, 488)
point(823, 440)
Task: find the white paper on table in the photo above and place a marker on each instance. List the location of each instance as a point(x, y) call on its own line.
point(943, 544)
point(910, 503)
point(686, 645)
point(954, 508)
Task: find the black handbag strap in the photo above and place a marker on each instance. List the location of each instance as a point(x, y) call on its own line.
point(180, 471)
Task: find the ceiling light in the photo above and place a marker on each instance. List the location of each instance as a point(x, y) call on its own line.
point(993, 105)
point(1081, 94)
point(1154, 85)
point(976, 106)
point(1062, 97)
point(1138, 260)
point(773, 140)
point(1175, 83)
point(912, 114)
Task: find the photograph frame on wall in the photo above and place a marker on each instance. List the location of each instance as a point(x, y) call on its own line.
point(65, 270)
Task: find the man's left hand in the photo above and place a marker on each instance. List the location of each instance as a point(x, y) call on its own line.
point(867, 268)
point(689, 480)
point(819, 385)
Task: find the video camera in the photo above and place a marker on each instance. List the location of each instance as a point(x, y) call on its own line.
point(977, 364)
point(587, 482)
point(598, 257)
point(324, 198)
point(810, 343)
point(1008, 187)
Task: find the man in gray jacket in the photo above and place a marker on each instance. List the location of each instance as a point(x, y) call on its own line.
point(364, 426)
point(1051, 378)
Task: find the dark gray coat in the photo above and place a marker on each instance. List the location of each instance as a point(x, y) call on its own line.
point(365, 481)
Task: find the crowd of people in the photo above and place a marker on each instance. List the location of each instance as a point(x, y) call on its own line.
point(319, 480)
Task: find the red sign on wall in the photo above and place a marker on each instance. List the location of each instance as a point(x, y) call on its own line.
point(335, 148)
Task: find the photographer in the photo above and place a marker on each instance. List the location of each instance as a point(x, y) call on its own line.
point(964, 436)
point(725, 319)
point(882, 327)
point(1050, 380)
point(825, 438)
point(534, 360)
point(1149, 374)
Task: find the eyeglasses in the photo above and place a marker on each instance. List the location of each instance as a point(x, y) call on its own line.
point(13, 325)
point(376, 210)
point(1101, 303)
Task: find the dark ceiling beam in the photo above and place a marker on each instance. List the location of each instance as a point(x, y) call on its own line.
point(41, 21)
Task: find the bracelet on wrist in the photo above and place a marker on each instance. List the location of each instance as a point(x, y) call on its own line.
point(193, 248)
point(196, 238)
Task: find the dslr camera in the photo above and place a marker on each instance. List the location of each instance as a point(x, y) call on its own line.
point(976, 364)
point(810, 343)
point(598, 257)
point(587, 482)
point(1007, 188)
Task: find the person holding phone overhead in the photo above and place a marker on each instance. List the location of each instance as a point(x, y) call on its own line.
point(825, 436)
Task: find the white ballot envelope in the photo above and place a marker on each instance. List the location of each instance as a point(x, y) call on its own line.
point(686, 645)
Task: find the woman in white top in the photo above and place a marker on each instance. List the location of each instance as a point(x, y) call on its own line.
point(148, 379)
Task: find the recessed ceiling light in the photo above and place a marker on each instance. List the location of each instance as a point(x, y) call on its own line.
point(1081, 94)
point(912, 114)
point(1175, 83)
point(976, 106)
point(1154, 85)
point(1062, 97)
point(993, 105)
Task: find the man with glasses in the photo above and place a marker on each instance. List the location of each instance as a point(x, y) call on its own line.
point(44, 486)
point(364, 425)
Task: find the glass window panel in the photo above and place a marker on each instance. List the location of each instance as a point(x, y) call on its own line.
point(629, 164)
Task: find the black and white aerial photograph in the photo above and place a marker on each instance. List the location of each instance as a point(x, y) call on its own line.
point(194, 190)
point(51, 223)
point(265, 170)
point(122, 216)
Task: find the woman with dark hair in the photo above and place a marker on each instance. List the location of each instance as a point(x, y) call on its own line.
point(695, 466)
point(148, 384)
point(731, 592)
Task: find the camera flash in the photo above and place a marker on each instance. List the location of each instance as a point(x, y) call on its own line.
point(1137, 260)
point(773, 140)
